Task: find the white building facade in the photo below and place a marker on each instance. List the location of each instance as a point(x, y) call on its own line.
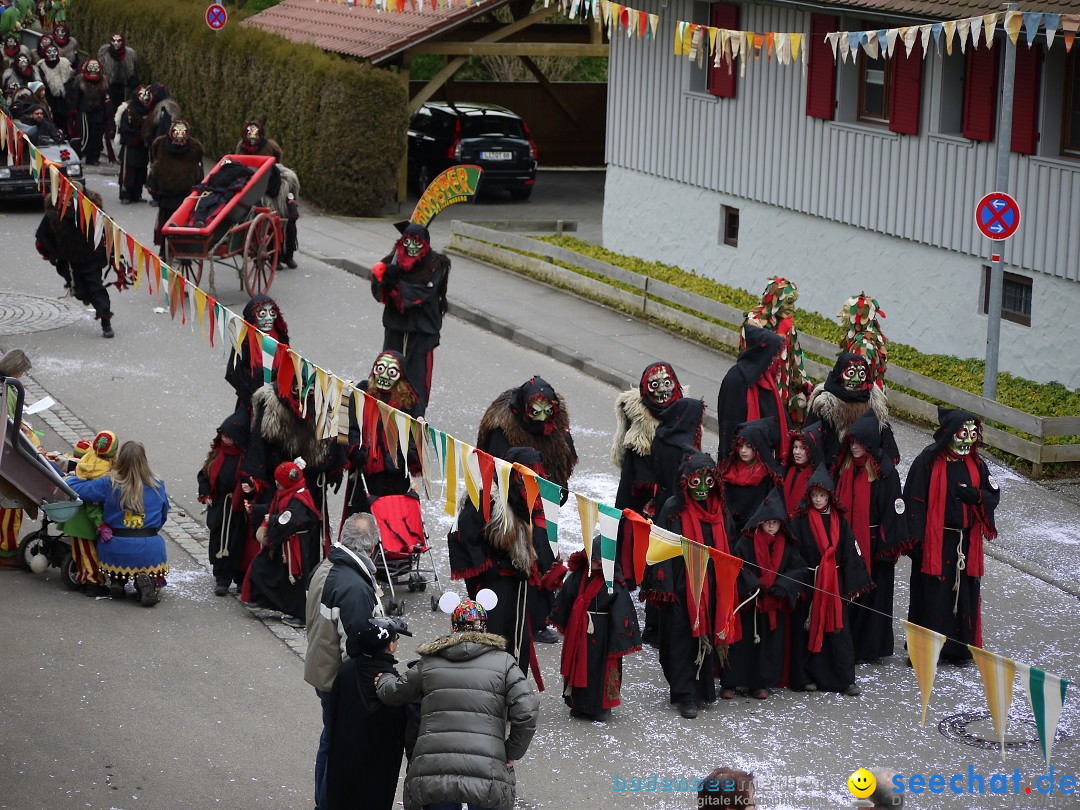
point(872, 187)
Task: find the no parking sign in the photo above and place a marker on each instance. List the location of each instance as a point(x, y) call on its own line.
point(216, 17)
point(997, 215)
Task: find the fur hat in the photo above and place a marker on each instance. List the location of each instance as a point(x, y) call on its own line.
point(105, 444)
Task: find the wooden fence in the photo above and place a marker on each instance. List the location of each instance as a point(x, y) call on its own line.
point(660, 300)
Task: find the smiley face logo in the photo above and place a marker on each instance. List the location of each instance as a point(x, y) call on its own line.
point(861, 783)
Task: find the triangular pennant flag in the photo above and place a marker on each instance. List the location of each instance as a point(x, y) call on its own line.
point(1032, 21)
point(654, 21)
point(696, 557)
point(503, 468)
point(404, 432)
point(200, 310)
point(712, 40)
point(1070, 24)
point(587, 511)
point(419, 437)
point(1014, 21)
point(796, 44)
point(890, 38)
point(998, 675)
point(1052, 22)
point(726, 570)
point(832, 39)
point(486, 463)
point(532, 487)
point(976, 31)
point(871, 45)
point(551, 498)
point(924, 33)
point(909, 39)
point(1045, 696)
point(473, 476)
point(608, 523)
point(938, 29)
point(450, 475)
point(680, 27)
point(923, 647)
point(990, 22)
point(638, 533)
point(663, 545)
point(962, 33)
point(950, 32)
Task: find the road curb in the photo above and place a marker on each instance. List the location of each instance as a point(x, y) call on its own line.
point(180, 527)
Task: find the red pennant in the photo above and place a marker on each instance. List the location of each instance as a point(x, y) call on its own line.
point(726, 570)
point(371, 418)
point(639, 537)
point(211, 305)
point(487, 473)
point(286, 371)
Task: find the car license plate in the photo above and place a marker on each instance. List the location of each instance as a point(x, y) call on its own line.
point(496, 155)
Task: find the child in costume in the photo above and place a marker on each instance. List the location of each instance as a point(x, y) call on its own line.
point(751, 470)
point(278, 576)
point(600, 628)
point(822, 650)
point(804, 455)
point(94, 461)
point(219, 489)
point(770, 582)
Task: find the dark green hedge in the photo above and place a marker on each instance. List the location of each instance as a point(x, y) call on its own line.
point(341, 124)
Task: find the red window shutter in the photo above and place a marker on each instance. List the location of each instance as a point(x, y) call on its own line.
point(1025, 124)
point(980, 93)
point(821, 71)
point(722, 79)
point(906, 86)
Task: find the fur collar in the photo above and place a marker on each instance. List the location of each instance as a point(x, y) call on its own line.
point(282, 428)
point(454, 639)
point(176, 174)
point(114, 71)
point(842, 415)
point(558, 459)
point(56, 77)
point(635, 427)
point(511, 535)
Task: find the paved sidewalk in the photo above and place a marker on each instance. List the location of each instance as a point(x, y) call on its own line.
point(1039, 528)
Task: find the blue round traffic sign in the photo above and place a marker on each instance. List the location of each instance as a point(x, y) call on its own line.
point(997, 215)
point(216, 16)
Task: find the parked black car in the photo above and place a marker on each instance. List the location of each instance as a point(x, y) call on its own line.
point(442, 134)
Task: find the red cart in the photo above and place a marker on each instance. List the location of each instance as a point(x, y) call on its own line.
point(246, 234)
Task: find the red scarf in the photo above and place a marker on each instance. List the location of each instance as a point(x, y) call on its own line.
point(739, 474)
point(280, 503)
point(767, 382)
point(219, 462)
point(768, 552)
point(826, 609)
point(693, 515)
point(853, 494)
point(795, 481)
point(935, 519)
point(575, 652)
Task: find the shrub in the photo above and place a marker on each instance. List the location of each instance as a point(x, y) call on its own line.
point(341, 124)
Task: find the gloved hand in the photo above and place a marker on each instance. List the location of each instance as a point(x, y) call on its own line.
point(293, 208)
point(777, 591)
point(104, 533)
point(392, 276)
point(378, 270)
point(968, 495)
point(44, 251)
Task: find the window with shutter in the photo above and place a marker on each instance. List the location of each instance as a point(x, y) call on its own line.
point(722, 79)
point(821, 70)
point(906, 97)
point(875, 81)
point(980, 93)
point(1025, 123)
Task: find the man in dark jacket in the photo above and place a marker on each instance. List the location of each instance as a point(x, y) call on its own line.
point(342, 595)
point(468, 687)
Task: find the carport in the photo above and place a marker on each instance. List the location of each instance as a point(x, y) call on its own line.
point(567, 120)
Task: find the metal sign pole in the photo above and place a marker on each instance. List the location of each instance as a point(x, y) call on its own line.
point(997, 273)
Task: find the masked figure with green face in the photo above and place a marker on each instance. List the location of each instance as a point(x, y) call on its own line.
point(411, 284)
point(692, 625)
point(375, 468)
point(534, 415)
point(951, 497)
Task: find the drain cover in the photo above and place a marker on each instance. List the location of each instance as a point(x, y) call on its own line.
point(21, 313)
point(977, 729)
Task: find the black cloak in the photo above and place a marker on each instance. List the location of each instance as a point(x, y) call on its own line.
point(761, 349)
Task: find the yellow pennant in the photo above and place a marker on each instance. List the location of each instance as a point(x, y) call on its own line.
point(140, 260)
point(1014, 21)
point(663, 545)
point(923, 648)
point(450, 475)
point(474, 483)
point(998, 675)
point(589, 514)
point(200, 298)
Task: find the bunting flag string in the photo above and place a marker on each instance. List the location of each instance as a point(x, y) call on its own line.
point(462, 463)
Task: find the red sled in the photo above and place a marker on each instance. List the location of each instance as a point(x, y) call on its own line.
point(402, 545)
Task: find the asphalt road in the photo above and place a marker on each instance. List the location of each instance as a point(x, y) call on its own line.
point(196, 704)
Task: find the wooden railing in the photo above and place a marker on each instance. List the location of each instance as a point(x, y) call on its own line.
point(658, 299)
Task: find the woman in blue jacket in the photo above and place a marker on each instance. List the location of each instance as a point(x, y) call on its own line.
point(135, 506)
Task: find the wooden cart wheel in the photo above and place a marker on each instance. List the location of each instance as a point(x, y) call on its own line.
point(262, 249)
point(190, 268)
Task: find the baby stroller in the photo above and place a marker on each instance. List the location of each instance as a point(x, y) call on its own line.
point(403, 544)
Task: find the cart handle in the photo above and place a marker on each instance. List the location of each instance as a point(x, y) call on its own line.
point(16, 426)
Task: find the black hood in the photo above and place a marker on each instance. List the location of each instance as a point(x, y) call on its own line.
point(835, 385)
point(950, 420)
point(694, 462)
point(519, 403)
point(813, 436)
point(280, 327)
point(237, 427)
point(821, 478)
point(866, 430)
point(517, 497)
point(761, 348)
point(762, 435)
point(772, 508)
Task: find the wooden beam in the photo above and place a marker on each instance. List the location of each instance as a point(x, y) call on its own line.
point(575, 49)
point(534, 69)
